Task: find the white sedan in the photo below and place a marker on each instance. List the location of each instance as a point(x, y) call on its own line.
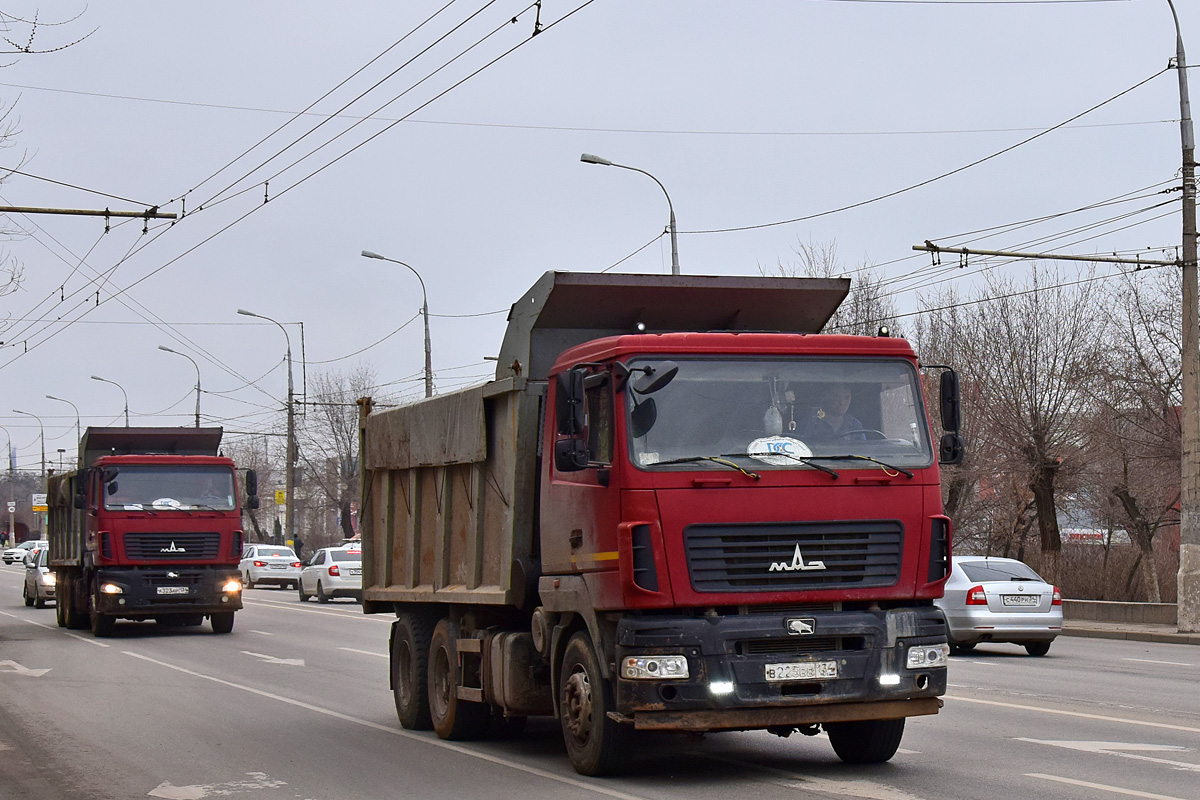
point(15, 554)
point(332, 572)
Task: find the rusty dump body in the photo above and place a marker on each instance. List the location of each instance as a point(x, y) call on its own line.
point(577, 521)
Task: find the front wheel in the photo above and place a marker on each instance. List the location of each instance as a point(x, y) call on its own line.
point(38, 600)
point(452, 717)
point(596, 744)
point(1037, 648)
point(25, 594)
point(102, 624)
point(410, 671)
point(870, 741)
point(222, 621)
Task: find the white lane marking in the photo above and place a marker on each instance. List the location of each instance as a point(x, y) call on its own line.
point(852, 788)
point(297, 607)
point(86, 639)
point(257, 780)
point(22, 670)
point(1116, 748)
point(23, 619)
point(424, 739)
point(1151, 661)
point(1102, 787)
point(263, 633)
point(363, 652)
point(1080, 714)
point(293, 662)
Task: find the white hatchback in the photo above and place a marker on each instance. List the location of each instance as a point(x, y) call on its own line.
point(332, 572)
point(269, 565)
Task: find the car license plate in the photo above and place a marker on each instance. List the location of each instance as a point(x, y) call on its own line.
point(1019, 599)
point(172, 590)
point(804, 670)
point(354, 572)
point(279, 566)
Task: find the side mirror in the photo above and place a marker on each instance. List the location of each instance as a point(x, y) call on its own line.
point(654, 379)
point(252, 502)
point(570, 455)
point(251, 482)
point(951, 415)
point(110, 474)
point(568, 402)
point(642, 418)
point(951, 449)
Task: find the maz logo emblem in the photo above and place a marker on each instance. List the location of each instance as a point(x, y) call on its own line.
point(801, 627)
point(174, 549)
point(797, 564)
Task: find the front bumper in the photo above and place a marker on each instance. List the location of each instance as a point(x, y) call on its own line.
point(733, 652)
point(152, 591)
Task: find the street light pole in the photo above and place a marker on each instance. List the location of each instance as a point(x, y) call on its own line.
point(289, 518)
point(1188, 580)
point(588, 158)
point(72, 405)
point(41, 435)
point(197, 366)
point(123, 394)
point(11, 489)
point(424, 313)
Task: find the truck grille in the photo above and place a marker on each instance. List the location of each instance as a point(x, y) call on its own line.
point(174, 546)
point(789, 556)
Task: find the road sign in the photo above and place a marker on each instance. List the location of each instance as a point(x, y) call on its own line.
point(12, 507)
point(281, 497)
point(39, 502)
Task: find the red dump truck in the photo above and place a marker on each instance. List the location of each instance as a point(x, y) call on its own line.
point(148, 527)
point(676, 508)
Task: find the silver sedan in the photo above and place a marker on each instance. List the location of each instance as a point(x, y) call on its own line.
point(990, 599)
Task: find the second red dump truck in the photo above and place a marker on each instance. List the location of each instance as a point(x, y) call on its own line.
point(676, 508)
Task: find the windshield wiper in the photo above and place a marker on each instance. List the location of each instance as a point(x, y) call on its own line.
point(715, 459)
point(867, 458)
point(806, 460)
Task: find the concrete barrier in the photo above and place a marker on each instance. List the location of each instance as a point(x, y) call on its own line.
point(1109, 611)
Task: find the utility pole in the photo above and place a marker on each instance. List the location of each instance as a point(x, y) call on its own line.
point(1188, 580)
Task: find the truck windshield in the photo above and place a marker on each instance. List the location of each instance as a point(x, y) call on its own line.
point(795, 413)
point(165, 487)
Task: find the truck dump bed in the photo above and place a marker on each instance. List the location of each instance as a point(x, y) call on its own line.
point(449, 484)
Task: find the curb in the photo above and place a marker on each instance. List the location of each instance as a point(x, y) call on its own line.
point(1160, 637)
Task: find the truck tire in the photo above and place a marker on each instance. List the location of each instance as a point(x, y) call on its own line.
point(410, 671)
point(102, 624)
point(871, 741)
point(451, 717)
point(596, 744)
point(76, 617)
point(222, 621)
point(61, 602)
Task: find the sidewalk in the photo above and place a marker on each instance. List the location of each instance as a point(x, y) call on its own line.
point(1131, 631)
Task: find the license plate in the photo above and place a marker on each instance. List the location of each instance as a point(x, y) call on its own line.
point(802, 671)
point(279, 566)
point(354, 572)
point(172, 590)
point(1019, 599)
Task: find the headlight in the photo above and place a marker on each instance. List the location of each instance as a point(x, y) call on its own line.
point(233, 585)
point(924, 656)
point(47, 578)
point(640, 668)
point(111, 588)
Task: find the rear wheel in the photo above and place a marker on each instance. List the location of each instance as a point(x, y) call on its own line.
point(246, 582)
point(870, 741)
point(72, 616)
point(61, 603)
point(1037, 648)
point(222, 621)
point(303, 596)
point(452, 717)
point(321, 596)
point(410, 671)
point(596, 743)
point(965, 647)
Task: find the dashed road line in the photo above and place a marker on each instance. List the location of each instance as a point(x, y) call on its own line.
point(1103, 787)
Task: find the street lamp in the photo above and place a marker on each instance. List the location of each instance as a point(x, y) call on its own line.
point(42, 435)
point(197, 366)
point(588, 158)
point(123, 394)
point(424, 313)
point(72, 405)
point(11, 499)
point(290, 467)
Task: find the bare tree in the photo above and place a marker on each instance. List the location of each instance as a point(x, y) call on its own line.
point(866, 308)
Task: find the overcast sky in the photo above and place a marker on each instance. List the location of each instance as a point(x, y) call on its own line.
point(749, 113)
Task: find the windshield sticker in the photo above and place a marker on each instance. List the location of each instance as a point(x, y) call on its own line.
point(779, 451)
